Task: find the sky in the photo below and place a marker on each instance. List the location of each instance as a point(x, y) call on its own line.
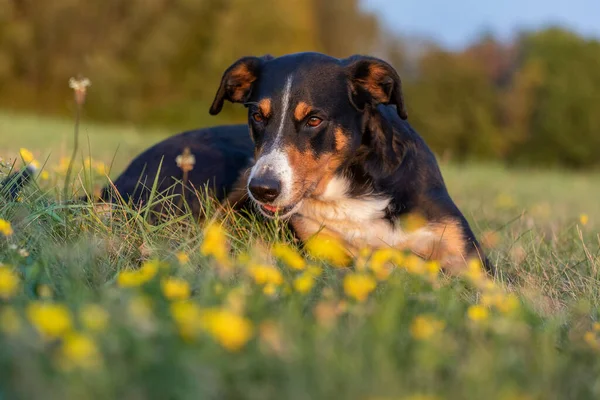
point(455, 23)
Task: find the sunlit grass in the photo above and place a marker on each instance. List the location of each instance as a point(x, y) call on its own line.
point(97, 302)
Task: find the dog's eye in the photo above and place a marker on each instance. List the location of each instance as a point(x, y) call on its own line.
point(313, 122)
point(257, 117)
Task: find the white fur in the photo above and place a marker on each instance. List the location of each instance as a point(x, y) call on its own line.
point(359, 221)
point(275, 160)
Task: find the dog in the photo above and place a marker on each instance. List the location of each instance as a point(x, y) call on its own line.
point(327, 148)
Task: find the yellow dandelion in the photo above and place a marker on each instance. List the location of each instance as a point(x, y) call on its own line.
point(508, 303)
point(359, 285)
point(381, 262)
point(100, 168)
point(133, 278)
point(9, 283)
point(270, 289)
point(505, 201)
point(5, 227)
point(265, 274)
point(215, 244)
point(93, 317)
point(28, 158)
point(592, 340)
point(10, 323)
point(314, 270)
point(187, 317)
point(304, 283)
point(51, 320)
point(433, 268)
point(596, 326)
point(478, 313)
point(229, 329)
point(415, 265)
point(412, 222)
point(175, 288)
point(288, 256)
point(182, 257)
point(44, 175)
point(79, 351)
point(329, 249)
point(425, 327)
point(475, 271)
point(584, 219)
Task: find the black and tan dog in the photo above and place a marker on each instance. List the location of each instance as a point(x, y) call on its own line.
point(328, 148)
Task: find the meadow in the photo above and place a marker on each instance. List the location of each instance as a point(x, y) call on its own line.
point(103, 304)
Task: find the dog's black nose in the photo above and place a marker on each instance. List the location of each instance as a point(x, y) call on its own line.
point(265, 189)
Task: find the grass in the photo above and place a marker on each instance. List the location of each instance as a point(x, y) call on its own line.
point(250, 328)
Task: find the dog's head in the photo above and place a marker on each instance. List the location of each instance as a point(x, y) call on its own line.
point(308, 115)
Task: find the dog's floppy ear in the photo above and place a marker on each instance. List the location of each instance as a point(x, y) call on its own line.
point(374, 81)
point(236, 84)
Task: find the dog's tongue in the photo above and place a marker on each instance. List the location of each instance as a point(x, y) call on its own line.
point(273, 209)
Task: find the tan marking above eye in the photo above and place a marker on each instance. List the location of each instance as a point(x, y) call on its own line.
point(301, 111)
point(264, 106)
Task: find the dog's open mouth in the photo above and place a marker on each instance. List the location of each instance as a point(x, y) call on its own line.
point(270, 211)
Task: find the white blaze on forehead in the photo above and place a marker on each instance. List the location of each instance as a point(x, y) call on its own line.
point(276, 162)
point(285, 105)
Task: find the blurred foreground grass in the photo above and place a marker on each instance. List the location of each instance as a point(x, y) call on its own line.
point(219, 313)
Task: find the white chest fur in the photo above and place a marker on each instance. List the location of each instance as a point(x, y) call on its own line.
point(358, 221)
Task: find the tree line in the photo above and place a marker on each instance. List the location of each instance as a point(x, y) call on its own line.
point(534, 99)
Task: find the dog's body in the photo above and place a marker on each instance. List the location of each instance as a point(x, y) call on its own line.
point(326, 147)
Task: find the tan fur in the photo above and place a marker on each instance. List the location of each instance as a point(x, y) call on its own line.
point(372, 83)
point(359, 222)
point(244, 78)
point(265, 107)
point(301, 111)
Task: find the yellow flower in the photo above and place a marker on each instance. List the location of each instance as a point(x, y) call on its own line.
point(415, 265)
point(229, 329)
point(381, 260)
point(80, 351)
point(359, 285)
point(44, 175)
point(265, 274)
point(314, 270)
point(433, 268)
point(326, 248)
point(424, 327)
point(51, 320)
point(289, 256)
point(28, 158)
point(584, 219)
point(412, 222)
point(10, 323)
point(182, 257)
point(478, 313)
point(187, 318)
point(596, 326)
point(507, 304)
point(132, 278)
point(93, 317)
point(270, 289)
point(592, 340)
point(215, 244)
point(100, 168)
point(5, 227)
point(175, 288)
point(9, 283)
point(475, 271)
point(304, 283)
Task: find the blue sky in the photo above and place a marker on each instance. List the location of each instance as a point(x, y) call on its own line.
point(454, 23)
